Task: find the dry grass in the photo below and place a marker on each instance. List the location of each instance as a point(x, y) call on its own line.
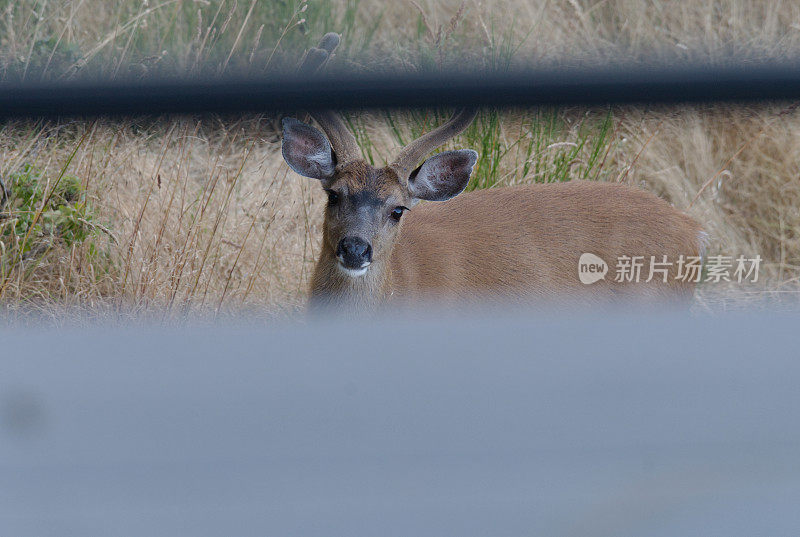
point(202, 216)
point(200, 221)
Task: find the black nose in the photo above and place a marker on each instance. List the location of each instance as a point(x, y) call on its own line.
point(354, 252)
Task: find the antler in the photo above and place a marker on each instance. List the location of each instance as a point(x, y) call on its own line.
point(342, 140)
point(411, 154)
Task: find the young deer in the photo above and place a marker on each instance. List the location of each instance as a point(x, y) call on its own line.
point(521, 243)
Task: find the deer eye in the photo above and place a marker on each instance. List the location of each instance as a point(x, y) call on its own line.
point(398, 212)
point(333, 196)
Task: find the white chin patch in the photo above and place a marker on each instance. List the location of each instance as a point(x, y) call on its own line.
point(354, 273)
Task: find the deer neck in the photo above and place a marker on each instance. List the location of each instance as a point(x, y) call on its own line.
point(332, 288)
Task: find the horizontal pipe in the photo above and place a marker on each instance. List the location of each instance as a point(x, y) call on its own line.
point(620, 85)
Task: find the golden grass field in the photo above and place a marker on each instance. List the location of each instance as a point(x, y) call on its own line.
point(201, 215)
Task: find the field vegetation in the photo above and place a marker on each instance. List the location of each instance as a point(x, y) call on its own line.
point(200, 215)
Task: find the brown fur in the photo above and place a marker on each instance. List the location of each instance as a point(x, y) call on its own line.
point(520, 243)
point(525, 242)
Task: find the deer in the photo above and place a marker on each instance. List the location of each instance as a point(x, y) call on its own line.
point(406, 232)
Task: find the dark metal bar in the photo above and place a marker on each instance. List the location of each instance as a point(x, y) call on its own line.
point(655, 84)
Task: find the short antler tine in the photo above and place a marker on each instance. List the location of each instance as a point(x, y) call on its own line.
point(410, 155)
point(329, 42)
point(317, 56)
point(313, 60)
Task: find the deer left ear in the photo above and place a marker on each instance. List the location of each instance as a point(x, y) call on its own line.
point(442, 176)
point(306, 150)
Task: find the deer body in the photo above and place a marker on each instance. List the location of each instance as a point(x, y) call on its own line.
point(521, 243)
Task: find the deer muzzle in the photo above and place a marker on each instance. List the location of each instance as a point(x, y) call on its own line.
point(354, 254)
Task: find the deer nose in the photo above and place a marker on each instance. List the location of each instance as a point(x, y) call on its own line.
point(354, 252)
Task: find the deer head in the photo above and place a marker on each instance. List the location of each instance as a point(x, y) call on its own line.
point(366, 203)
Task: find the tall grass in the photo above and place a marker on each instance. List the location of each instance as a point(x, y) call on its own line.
point(62, 39)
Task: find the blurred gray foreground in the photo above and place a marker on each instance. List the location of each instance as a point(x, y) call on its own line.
point(506, 425)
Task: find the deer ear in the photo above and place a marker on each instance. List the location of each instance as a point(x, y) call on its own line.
point(442, 176)
point(306, 150)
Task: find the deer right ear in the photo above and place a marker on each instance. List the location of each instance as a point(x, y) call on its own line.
point(306, 150)
point(442, 176)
